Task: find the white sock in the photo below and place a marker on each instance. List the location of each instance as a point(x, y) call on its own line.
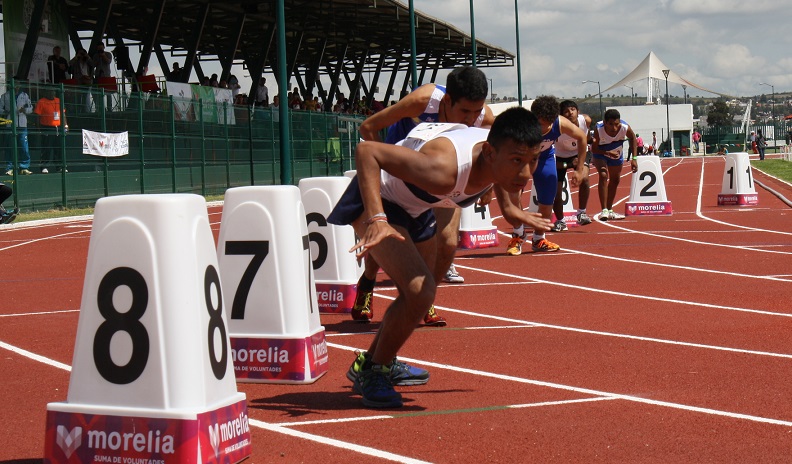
point(519, 231)
point(537, 237)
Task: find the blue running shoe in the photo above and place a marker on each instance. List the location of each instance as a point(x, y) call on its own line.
point(375, 386)
point(402, 374)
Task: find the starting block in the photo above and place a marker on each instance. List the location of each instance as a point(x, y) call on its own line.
point(647, 189)
point(476, 229)
point(336, 270)
point(152, 378)
point(570, 213)
point(738, 186)
point(265, 263)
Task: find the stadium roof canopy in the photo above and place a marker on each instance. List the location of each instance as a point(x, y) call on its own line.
point(339, 39)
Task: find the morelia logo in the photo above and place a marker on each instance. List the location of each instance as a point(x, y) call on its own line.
point(68, 440)
point(221, 433)
point(151, 442)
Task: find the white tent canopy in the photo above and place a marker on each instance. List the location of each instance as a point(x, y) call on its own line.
point(651, 70)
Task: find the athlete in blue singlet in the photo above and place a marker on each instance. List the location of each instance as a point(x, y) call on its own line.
point(545, 176)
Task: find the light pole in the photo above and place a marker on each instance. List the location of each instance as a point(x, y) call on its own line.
point(668, 117)
point(599, 90)
point(684, 91)
point(632, 93)
point(772, 108)
point(517, 33)
point(492, 95)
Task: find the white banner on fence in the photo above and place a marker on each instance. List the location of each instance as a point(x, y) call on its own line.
point(101, 144)
point(185, 103)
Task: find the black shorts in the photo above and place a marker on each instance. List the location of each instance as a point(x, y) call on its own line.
point(563, 164)
point(350, 207)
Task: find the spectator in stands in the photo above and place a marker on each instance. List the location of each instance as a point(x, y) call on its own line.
point(262, 93)
point(175, 74)
point(310, 103)
point(48, 108)
point(58, 67)
point(233, 84)
point(101, 60)
point(6, 217)
point(213, 82)
point(82, 67)
point(295, 102)
point(23, 107)
point(222, 85)
point(205, 81)
point(276, 101)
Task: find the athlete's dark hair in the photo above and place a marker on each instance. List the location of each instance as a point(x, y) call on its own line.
point(611, 114)
point(545, 107)
point(517, 124)
point(466, 82)
point(566, 104)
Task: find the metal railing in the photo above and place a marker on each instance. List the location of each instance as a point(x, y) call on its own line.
point(202, 147)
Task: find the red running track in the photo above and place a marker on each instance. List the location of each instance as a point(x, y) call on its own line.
point(652, 339)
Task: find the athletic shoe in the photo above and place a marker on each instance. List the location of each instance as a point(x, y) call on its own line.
point(614, 216)
point(9, 216)
point(603, 216)
point(375, 386)
point(558, 226)
point(10, 172)
point(434, 319)
point(25, 172)
point(544, 246)
point(515, 245)
point(402, 374)
point(452, 276)
point(583, 219)
point(45, 171)
point(361, 309)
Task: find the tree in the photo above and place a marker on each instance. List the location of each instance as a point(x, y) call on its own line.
point(719, 114)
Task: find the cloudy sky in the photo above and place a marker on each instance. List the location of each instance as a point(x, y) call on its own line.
point(729, 46)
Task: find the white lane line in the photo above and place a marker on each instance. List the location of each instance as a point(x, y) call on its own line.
point(629, 295)
point(587, 391)
point(455, 411)
point(676, 266)
point(41, 313)
point(35, 357)
point(28, 242)
point(534, 324)
point(367, 450)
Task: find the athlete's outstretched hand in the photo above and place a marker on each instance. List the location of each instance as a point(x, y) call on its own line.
point(536, 222)
point(375, 233)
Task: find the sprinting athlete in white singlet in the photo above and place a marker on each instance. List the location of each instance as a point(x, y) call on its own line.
point(607, 146)
point(568, 157)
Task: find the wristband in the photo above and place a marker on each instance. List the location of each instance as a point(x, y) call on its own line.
point(376, 218)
